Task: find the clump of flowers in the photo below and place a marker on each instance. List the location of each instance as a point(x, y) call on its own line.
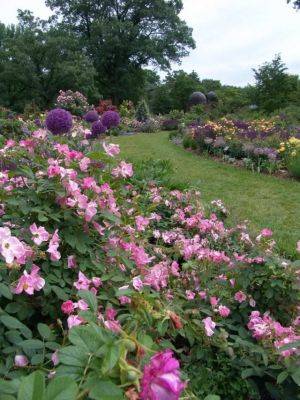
point(290, 150)
point(161, 378)
point(75, 102)
point(91, 116)
point(59, 121)
point(111, 119)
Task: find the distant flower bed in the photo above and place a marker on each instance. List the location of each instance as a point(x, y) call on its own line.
point(115, 287)
point(261, 145)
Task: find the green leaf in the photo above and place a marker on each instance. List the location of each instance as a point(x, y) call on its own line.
point(112, 355)
point(212, 397)
point(61, 388)
point(5, 291)
point(74, 356)
point(90, 298)
point(282, 377)
point(86, 338)
point(296, 376)
point(32, 387)
point(14, 323)
point(59, 293)
point(111, 217)
point(32, 344)
point(44, 331)
point(106, 390)
point(9, 387)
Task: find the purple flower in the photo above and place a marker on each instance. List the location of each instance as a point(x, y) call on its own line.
point(91, 116)
point(97, 129)
point(111, 119)
point(59, 121)
point(161, 378)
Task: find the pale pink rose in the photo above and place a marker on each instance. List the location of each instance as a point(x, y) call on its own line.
point(72, 262)
point(141, 223)
point(189, 295)
point(124, 300)
point(113, 326)
point(111, 149)
point(11, 248)
point(90, 211)
point(240, 296)
point(137, 283)
point(124, 170)
point(97, 282)
point(29, 282)
point(82, 305)
point(202, 295)
point(21, 361)
point(223, 311)
point(214, 301)
point(54, 358)
point(84, 164)
point(209, 326)
point(40, 234)
point(83, 283)
point(74, 320)
point(53, 247)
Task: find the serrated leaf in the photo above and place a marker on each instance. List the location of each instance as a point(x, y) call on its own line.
point(32, 387)
point(73, 356)
point(61, 388)
point(59, 293)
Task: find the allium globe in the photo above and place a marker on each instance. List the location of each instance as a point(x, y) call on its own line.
point(111, 119)
point(97, 129)
point(91, 116)
point(161, 378)
point(59, 121)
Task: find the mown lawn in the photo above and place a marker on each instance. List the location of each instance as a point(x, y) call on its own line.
point(266, 201)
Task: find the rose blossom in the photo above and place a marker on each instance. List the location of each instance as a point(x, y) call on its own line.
point(40, 234)
point(240, 296)
point(209, 326)
point(223, 311)
point(161, 378)
point(67, 307)
point(29, 282)
point(21, 361)
point(111, 149)
point(74, 320)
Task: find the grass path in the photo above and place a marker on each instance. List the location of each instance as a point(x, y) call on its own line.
point(266, 201)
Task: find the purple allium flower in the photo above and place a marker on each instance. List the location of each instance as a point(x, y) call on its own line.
point(97, 129)
point(91, 116)
point(111, 119)
point(161, 378)
point(59, 121)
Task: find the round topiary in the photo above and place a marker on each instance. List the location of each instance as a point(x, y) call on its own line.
point(59, 121)
point(211, 96)
point(111, 119)
point(97, 129)
point(197, 98)
point(91, 116)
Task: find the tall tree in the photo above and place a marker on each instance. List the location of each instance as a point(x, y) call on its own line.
point(274, 86)
point(123, 36)
point(37, 60)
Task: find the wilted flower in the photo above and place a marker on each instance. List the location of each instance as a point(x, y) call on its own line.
point(209, 326)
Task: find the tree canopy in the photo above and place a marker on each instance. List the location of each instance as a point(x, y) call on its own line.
point(123, 36)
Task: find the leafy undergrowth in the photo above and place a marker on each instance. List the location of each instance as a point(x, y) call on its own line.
point(263, 200)
point(110, 281)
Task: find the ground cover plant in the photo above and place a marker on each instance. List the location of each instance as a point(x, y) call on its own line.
point(114, 286)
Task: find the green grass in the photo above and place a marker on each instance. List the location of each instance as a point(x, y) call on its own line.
point(266, 201)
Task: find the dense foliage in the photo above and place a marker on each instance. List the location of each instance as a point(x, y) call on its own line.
point(95, 253)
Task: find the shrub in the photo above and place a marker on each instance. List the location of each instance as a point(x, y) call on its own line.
point(59, 121)
point(142, 111)
point(94, 254)
point(170, 125)
point(74, 102)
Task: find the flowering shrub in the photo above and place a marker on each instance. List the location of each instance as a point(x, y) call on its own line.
point(75, 102)
point(113, 286)
point(255, 143)
point(105, 105)
point(290, 151)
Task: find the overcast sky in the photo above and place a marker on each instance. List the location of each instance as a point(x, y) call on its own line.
point(232, 36)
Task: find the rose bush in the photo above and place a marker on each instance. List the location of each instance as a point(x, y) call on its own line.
point(114, 287)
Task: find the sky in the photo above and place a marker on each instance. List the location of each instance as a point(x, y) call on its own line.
point(232, 36)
